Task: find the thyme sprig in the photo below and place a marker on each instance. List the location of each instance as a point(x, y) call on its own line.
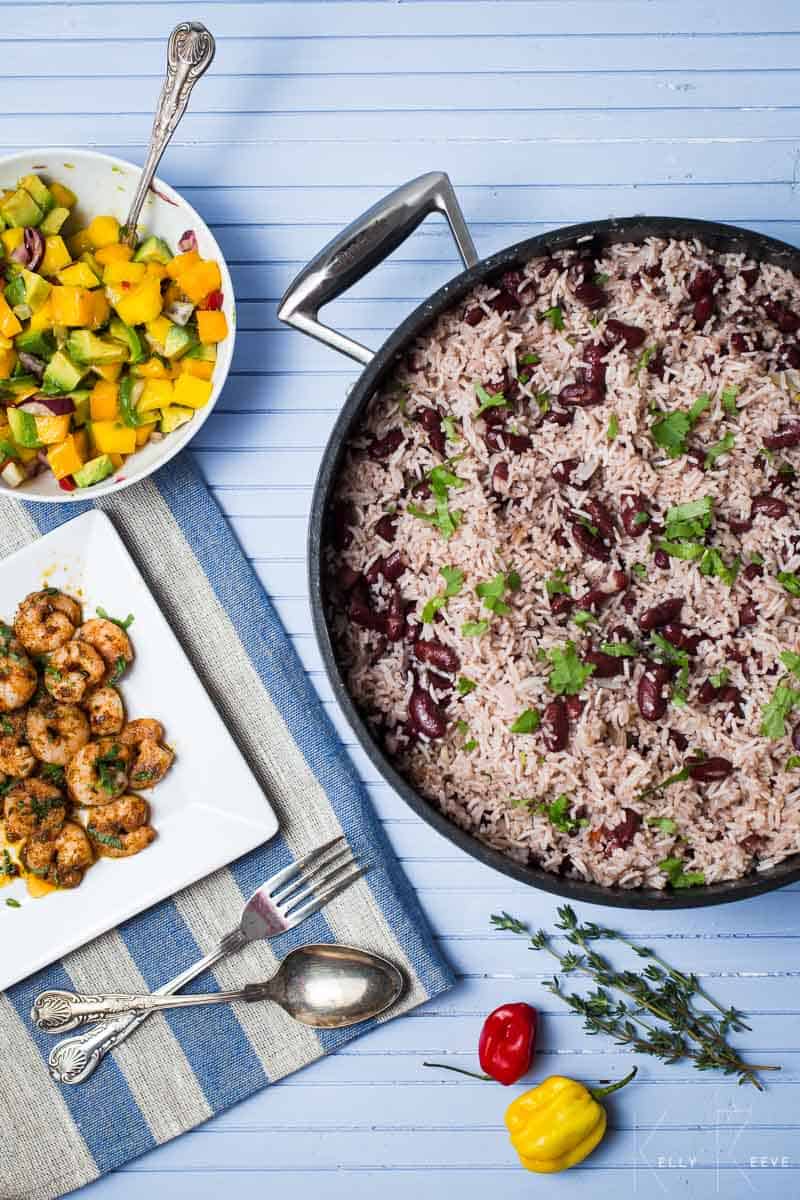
point(658, 990)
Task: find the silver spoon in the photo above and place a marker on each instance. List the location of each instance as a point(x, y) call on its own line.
point(190, 51)
point(326, 986)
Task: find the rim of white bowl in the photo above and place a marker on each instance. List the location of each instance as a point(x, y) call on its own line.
point(174, 442)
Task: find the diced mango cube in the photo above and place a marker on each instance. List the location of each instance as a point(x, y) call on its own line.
point(158, 329)
point(153, 368)
point(52, 429)
point(140, 305)
point(79, 243)
point(43, 317)
point(72, 306)
point(56, 255)
point(181, 262)
point(114, 252)
point(143, 434)
point(9, 325)
point(158, 393)
point(104, 401)
point(157, 270)
point(197, 367)
point(12, 238)
point(65, 457)
point(112, 437)
point(191, 392)
point(108, 371)
point(200, 279)
point(101, 309)
point(124, 272)
point(63, 196)
point(82, 443)
point(103, 231)
point(80, 274)
point(8, 359)
point(211, 326)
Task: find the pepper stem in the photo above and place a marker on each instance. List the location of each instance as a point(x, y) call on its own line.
point(461, 1071)
point(597, 1093)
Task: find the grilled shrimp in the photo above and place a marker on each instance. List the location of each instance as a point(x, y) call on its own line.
point(45, 620)
point(56, 732)
point(121, 829)
point(33, 807)
point(72, 670)
point(151, 759)
point(16, 759)
point(105, 709)
point(18, 678)
point(111, 642)
point(99, 772)
point(61, 858)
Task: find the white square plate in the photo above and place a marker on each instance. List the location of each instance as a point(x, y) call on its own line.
point(209, 809)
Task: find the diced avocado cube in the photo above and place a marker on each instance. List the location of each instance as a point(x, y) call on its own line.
point(21, 385)
point(21, 209)
point(23, 427)
point(178, 341)
point(35, 341)
point(130, 338)
point(37, 289)
point(204, 353)
point(38, 191)
point(86, 347)
point(61, 374)
point(94, 471)
point(88, 258)
point(153, 249)
point(173, 416)
point(53, 221)
point(81, 400)
point(14, 291)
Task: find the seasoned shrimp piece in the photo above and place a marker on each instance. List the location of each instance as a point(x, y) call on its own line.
point(111, 642)
point(61, 858)
point(56, 732)
point(151, 759)
point(99, 772)
point(105, 709)
point(16, 758)
point(45, 620)
point(72, 670)
point(18, 678)
point(33, 807)
point(121, 828)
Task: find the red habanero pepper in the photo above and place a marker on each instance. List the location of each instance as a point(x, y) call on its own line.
point(506, 1044)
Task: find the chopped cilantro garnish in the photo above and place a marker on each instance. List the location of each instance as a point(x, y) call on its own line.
point(454, 579)
point(558, 814)
point(790, 582)
point(723, 446)
point(106, 839)
point(791, 661)
point(689, 520)
point(601, 279)
point(619, 649)
point(639, 570)
point(671, 431)
point(126, 624)
point(792, 762)
point(10, 903)
point(441, 480)
point(448, 426)
point(613, 427)
point(554, 316)
point(568, 674)
point(527, 722)
point(487, 400)
point(465, 686)
point(774, 714)
point(474, 628)
point(543, 402)
point(557, 584)
point(118, 671)
point(529, 360)
point(644, 359)
point(583, 617)
point(679, 777)
point(641, 518)
point(665, 652)
point(712, 563)
point(720, 679)
point(53, 773)
point(493, 590)
point(678, 878)
point(663, 824)
point(689, 551)
point(729, 400)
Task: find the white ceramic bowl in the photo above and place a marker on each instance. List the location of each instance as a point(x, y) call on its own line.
point(105, 185)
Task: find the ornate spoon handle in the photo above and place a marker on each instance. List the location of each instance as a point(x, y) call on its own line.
point(190, 51)
point(57, 1011)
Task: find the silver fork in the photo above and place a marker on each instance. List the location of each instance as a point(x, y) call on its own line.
point(283, 902)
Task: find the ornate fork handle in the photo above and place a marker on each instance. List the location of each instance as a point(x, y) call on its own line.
point(190, 51)
point(74, 1059)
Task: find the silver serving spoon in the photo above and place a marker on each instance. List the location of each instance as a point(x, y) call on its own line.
point(190, 51)
point(326, 986)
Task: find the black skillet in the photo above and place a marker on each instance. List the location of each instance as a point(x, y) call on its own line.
point(345, 260)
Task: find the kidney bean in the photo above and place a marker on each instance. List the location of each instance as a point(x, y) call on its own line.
point(649, 697)
point(386, 527)
point(431, 421)
point(636, 281)
point(495, 439)
point(590, 295)
point(703, 308)
point(657, 366)
point(555, 728)
point(784, 318)
point(749, 275)
point(474, 316)
point(623, 834)
point(436, 654)
point(421, 489)
point(631, 335)
point(678, 739)
point(500, 478)
point(600, 516)
point(738, 345)
point(796, 736)
point(360, 610)
point(752, 571)
point(574, 707)
point(771, 506)
point(395, 617)
point(696, 458)
point(562, 470)
point(732, 695)
point(504, 302)
point(606, 666)
point(661, 559)
point(630, 506)
point(748, 614)
point(789, 355)
point(590, 543)
point(629, 603)
point(707, 693)
point(677, 636)
point(561, 416)
point(518, 443)
point(596, 597)
point(581, 395)
point(425, 715)
point(703, 283)
point(710, 770)
point(784, 437)
point(342, 516)
point(594, 371)
point(661, 614)
point(621, 633)
point(347, 577)
point(382, 448)
point(740, 524)
point(560, 604)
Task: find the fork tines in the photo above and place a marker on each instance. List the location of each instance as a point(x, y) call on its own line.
point(306, 885)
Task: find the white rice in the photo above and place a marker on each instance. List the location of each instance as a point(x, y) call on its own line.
point(750, 820)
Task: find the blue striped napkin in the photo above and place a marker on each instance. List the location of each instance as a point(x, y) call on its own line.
point(183, 1067)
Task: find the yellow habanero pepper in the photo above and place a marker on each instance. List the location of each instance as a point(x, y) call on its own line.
point(559, 1123)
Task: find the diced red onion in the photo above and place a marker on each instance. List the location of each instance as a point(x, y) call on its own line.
point(32, 364)
point(20, 255)
point(33, 239)
point(188, 241)
point(180, 312)
point(42, 457)
point(48, 406)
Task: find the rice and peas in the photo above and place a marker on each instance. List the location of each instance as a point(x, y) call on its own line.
point(564, 565)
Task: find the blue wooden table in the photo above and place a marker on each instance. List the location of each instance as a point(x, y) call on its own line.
point(543, 112)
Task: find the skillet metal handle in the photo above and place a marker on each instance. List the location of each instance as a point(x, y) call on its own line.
point(361, 246)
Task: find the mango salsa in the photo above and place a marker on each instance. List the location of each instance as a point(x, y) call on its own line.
point(128, 335)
